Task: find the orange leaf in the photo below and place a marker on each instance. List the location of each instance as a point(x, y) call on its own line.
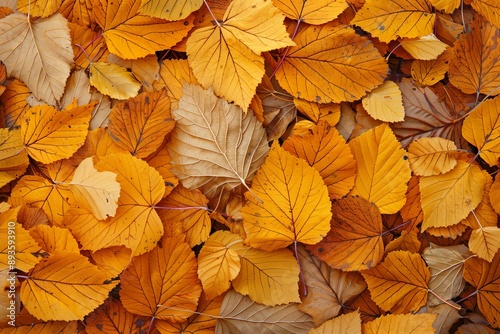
point(330, 112)
point(383, 169)
point(354, 241)
point(227, 56)
point(432, 156)
point(140, 124)
point(448, 6)
point(95, 47)
point(186, 213)
point(214, 146)
point(145, 69)
point(412, 210)
point(218, 264)
point(113, 80)
point(485, 242)
point(495, 195)
point(354, 64)
point(141, 189)
point(241, 315)
point(474, 68)
point(489, 9)
point(53, 239)
point(50, 135)
point(268, 278)
point(170, 10)
point(448, 198)
point(385, 103)
point(160, 160)
point(113, 318)
point(326, 150)
point(173, 74)
point(68, 283)
point(401, 324)
point(313, 11)
point(387, 21)
point(130, 34)
point(13, 156)
point(112, 260)
point(485, 277)
point(27, 251)
point(429, 72)
point(400, 283)
point(425, 48)
point(328, 289)
point(97, 144)
point(163, 282)
point(49, 327)
point(345, 324)
point(482, 129)
point(288, 203)
point(407, 241)
point(14, 102)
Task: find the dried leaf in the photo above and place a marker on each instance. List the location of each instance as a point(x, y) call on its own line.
point(385, 103)
point(312, 12)
point(401, 324)
point(113, 80)
point(170, 10)
point(432, 156)
point(345, 324)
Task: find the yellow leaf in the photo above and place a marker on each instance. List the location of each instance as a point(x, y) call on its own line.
point(112, 260)
point(326, 150)
point(330, 112)
point(447, 6)
point(489, 9)
point(331, 64)
point(64, 281)
point(14, 102)
point(474, 68)
point(165, 276)
point(13, 156)
point(130, 34)
point(385, 103)
point(218, 264)
point(345, 324)
point(354, 241)
point(241, 315)
point(424, 48)
point(27, 253)
point(288, 203)
point(482, 129)
point(484, 214)
point(429, 72)
point(269, 278)
point(485, 242)
point(113, 80)
point(214, 146)
point(446, 265)
point(313, 11)
point(185, 212)
point(141, 189)
point(400, 283)
point(448, 198)
point(37, 52)
point(145, 69)
point(227, 55)
point(50, 135)
point(401, 324)
point(383, 169)
point(140, 124)
point(170, 10)
point(392, 18)
point(53, 239)
point(96, 191)
point(432, 156)
point(173, 74)
point(38, 8)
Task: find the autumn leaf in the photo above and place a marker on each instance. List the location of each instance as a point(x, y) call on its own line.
point(485, 242)
point(387, 21)
point(171, 10)
point(432, 156)
point(383, 169)
point(485, 277)
point(52, 239)
point(140, 124)
point(14, 102)
point(385, 103)
point(130, 34)
point(312, 12)
point(288, 203)
point(37, 52)
point(214, 146)
point(489, 10)
point(14, 158)
point(356, 66)
point(112, 260)
point(69, 283)
point(38, 8)
point(400, 283)
point(227, 56)
point(172, 76)
point(401, 323)
point(482, 129)
point(345, 324)
point(218, 264)
point(239, 315)
point(424, 48)
point(162, 283)
point(50, 135)
point(113, 80)
point(429, 72)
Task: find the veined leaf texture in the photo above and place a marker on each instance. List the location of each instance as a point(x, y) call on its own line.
point(238, 166)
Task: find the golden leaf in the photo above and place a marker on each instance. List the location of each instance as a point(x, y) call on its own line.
point(424, 48)
point(401, 324)
point(113, 80)
point(170, 10)
point(326, 150)
point(14, 102)
point(288, 203)
point(227, 56)
point(432, 156)
point(345, 324)
point(37, 52)
point(485, 242)
point(173, 74)
point(163, 282)
point(353, 64)
point(313, 11)
point(65, 280)
point(489, 9)
point(429, 72)
point(387, 21)
point(383, 172)
point(385, 103)
point(53, 239)
point(38, 8)
point(13, 156)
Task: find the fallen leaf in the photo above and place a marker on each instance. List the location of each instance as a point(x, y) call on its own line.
point(385, 103)
point(171, 10)
point(312, 12)
point(432, 156)
point(113, 80)
point(345, 324)
point(52, 239)
point(424, 48)
point(288, 203)
point(401, 324)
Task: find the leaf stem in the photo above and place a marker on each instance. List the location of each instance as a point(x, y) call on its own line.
point(456, 307)
point(286, 50)
point(304, 286)
point(212, 14)
point(396, 227)
point(467, 297)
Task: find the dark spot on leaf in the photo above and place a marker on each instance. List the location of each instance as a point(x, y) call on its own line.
point(321, 250)
point(186, 23)
point(405, 157)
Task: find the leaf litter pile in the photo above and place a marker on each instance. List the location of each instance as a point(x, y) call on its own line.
point(251, 166)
